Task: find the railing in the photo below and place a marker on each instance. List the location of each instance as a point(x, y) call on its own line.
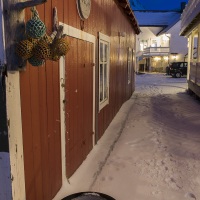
point(191, 10)
point(156, 51)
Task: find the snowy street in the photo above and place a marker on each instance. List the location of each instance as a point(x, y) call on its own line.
point(157, 155)
point(155, 146)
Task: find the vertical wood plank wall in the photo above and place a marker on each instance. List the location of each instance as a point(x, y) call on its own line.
point(79, 104)
point(40, 99)
point(40, 93)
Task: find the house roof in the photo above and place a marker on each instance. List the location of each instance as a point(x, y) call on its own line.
point(164, 19)
point(136, 5)
point(190, 16)
point(157, 18)
point(125, 7)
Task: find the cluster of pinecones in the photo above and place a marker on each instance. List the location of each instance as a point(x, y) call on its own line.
point(38, 46)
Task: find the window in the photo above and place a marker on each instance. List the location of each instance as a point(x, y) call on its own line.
point(129, 64)
point(143, 45)
point(194, 49)
point(154, 43)
point(104, 67)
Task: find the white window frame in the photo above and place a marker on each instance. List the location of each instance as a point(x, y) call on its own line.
point(104, 39)
point(129, 64)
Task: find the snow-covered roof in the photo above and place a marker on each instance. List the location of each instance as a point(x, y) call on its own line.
point(136, 5)
point(164, 19)
point(157, 18)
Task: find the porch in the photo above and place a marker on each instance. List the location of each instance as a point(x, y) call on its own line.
point(156, 51)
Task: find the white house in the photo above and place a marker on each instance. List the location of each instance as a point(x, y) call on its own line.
point(159, 42)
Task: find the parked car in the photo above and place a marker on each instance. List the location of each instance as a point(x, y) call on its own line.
point(177, 69)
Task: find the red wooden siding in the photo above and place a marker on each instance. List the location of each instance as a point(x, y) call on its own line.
point(101, 20)
point(41, 132)
point(79, 103)
point(40, 95)
point(40, 101)
point(120, 91)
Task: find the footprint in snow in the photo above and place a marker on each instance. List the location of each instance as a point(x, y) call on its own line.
point(190, 196)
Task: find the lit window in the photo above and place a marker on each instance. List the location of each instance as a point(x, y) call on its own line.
point(104, 67)
point(141, 46)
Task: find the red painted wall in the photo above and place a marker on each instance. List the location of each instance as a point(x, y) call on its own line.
point(40, 92)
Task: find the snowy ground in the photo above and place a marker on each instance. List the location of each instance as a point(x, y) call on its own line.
point(155, 147)
point(151, 150)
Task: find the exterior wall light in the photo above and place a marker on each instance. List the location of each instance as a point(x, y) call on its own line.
point(166, 58)
point(157, 58)
point(174, 56)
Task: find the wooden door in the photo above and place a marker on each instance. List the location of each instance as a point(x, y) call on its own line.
point(79, 103)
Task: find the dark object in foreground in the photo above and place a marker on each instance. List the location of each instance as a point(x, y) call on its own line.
point(177, 69)
point(88, 196)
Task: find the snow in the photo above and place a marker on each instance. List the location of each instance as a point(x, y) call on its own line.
point(136, 5)
point(151, 148)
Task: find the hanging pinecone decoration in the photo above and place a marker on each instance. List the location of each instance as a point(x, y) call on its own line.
point(35, 28)
point(38, 45)
point(33, 40)
point(60, 47)
point(36, 62)
point(42, 50)
point(47, 39)
point(24, 49)
point(55, 57)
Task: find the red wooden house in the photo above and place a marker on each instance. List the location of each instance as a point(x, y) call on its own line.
point(58, 112)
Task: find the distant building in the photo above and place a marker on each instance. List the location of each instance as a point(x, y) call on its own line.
point(159, 42)
point(190, 28)
point(158, 5)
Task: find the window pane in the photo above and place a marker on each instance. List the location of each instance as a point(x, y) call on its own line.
point(129, 71)
point(101, 52)
point(129, 54)
point(105, 52)
point(105, 82)
point(101, 83)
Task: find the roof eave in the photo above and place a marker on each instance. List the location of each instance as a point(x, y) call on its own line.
point(167, 28)
point(190, 17)
point(190, 26)
point(125, 6)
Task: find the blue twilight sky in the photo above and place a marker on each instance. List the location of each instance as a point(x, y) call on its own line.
point(159, 4)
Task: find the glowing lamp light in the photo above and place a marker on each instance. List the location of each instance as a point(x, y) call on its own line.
point(166, 58)
point(174, 56)
point(157, 58)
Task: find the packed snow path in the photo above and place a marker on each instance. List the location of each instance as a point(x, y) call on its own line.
point(158, 153)
point(151, 150)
